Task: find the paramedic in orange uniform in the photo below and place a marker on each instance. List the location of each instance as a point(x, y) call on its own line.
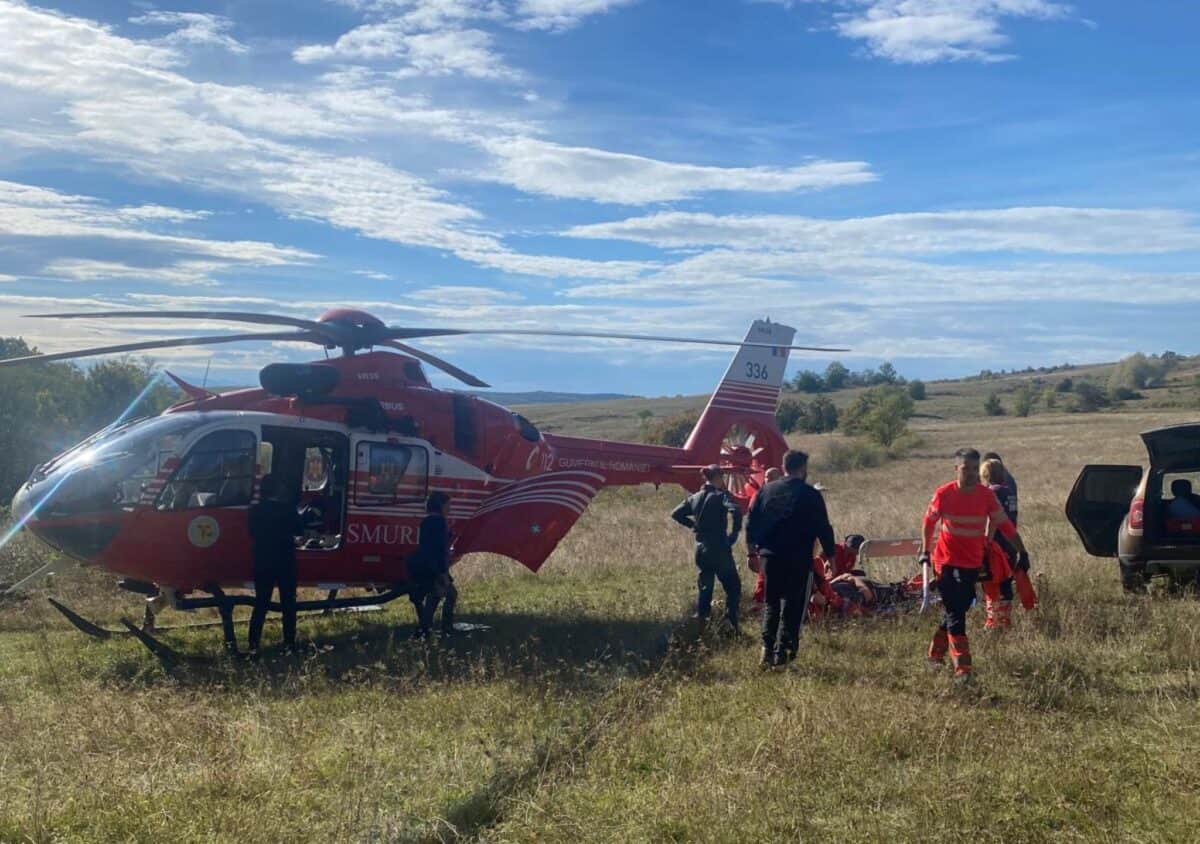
point(969, 513)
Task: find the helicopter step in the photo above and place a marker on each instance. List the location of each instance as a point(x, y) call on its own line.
point(97, 632)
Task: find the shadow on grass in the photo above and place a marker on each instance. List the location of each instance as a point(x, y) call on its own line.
point(546, 650)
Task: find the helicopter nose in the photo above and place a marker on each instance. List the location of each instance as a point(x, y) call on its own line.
point(80, 537)
point(22, 506)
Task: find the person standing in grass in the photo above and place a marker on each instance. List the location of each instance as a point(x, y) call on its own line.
point(755, 562)
point(429, 568)
point(705, 514)
point(968, 513)
point(785, 523)
point(274, 525)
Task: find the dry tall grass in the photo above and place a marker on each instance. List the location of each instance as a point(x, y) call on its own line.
point(591, 713)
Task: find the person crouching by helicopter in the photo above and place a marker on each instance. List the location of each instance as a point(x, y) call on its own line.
point(705, 514)
point(786, 521)
point(274, 525)
point(429, 568)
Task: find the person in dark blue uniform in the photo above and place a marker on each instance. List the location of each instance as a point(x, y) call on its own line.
point(705, 513)
point(429, 568)
point(274, 526)
point(786, 521)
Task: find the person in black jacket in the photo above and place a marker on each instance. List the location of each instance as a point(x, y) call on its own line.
point(429, 568)
point(788, 517)
point(274, 526)
point(705, 513)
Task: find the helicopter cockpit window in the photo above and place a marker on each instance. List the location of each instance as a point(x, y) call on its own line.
point(393, 473)
point(217, 472)
point(113, 468)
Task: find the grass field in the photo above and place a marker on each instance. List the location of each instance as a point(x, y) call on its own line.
point(593, 711)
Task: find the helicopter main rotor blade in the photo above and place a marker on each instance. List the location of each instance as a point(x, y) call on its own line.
point(224, 316)
point(412, 333)
point(303, 336)
point(433, 360)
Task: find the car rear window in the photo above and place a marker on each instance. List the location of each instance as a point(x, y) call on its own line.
point(1180, 504)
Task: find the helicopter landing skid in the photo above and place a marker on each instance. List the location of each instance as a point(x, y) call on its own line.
point(97, 632)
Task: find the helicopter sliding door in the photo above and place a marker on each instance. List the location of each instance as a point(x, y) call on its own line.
point(391, 482)
point(312, 464)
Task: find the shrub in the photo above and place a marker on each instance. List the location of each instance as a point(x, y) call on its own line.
point(1049, 398)
point(1137, 372)
point(992, 406)
point(836, 376)
point(790, 415)
point(1023, 400)
point(822, 416)
point(1066, 385)
point(844, 455)
point(880, 413)
point(1089, 397)
point(916, 390)
point(807, 381)
point(672, 430)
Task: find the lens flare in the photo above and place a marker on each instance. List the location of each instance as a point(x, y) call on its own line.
point(15, 528)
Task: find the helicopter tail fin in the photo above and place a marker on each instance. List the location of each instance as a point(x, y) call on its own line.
point(745, 400)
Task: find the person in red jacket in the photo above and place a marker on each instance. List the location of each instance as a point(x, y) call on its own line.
point(998, 585)
point(845, 558)
point(968, 513)
point(754, 562)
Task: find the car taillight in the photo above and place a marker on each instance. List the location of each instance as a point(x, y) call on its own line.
point(1137, 513)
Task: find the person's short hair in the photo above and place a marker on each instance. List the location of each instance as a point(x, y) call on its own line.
point(1181, 487)
point(965, 455)
point(854, 541)
point(436, 502)
point(711, 472)
point(773, 474)
point(992, 472)
point(794, 461)
point(991, 455)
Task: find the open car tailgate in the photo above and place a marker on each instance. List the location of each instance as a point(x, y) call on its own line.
point(1174, 447)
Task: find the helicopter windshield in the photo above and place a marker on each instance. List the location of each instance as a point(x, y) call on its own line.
point(111, 468)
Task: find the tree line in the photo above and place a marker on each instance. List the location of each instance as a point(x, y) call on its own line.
point(47, 407)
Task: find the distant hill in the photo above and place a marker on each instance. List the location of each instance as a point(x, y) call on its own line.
point(950, 399)
point(546, 397)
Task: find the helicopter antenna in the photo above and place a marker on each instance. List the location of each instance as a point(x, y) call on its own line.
point(207, 366)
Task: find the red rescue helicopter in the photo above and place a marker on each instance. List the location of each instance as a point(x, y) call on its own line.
point(362, 439)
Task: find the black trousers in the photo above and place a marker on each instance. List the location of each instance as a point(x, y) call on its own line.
point(715, 562)
point(958, 592)
point(788, 584)
point(269, 575)
point(426, 594)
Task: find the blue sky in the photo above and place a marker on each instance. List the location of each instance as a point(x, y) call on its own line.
point(947, 184)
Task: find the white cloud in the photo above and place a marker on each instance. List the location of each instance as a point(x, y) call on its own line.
point(559, 15)
point(926, 31)
point(543, 167)
point(193, 29)
point(443, 52)
point(1038, 229)
point(28, 211)
point(178, 272)
point(113, 98)
point(374, 275)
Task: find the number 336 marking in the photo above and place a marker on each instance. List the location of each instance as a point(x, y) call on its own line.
point(756, 371)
